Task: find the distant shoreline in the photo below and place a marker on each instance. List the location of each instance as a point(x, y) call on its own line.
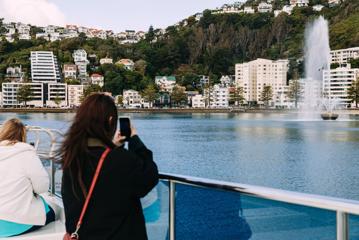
point(167, 110)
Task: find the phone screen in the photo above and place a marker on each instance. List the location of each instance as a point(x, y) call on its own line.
point(125, 127)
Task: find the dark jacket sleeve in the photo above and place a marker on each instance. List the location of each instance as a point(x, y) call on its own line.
point(145, 174)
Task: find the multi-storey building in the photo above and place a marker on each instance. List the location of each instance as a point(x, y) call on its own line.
point(336, 83)
point(70, 71)
point(10, 94)
point(44, 67)
point(198, 101)
point(131, 98)
point(74, 95)
point(255, 75)
point(218, 96)
point(97, 79)
point(343, 56)
point(80, 59)
point(166, 83)
point(248, 10)
point(56, 95)
point(227, 80)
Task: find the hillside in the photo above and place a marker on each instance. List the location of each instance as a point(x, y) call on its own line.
point(211, 46)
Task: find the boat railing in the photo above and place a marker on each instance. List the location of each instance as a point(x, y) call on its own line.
point(342, 207)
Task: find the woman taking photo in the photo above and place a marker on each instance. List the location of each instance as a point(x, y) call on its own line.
point(124, 176)
point(22, 179)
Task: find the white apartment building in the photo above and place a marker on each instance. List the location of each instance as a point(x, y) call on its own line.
point(264, 7)
point(106, 61)
point(299, 3)
point(9, 92)
point(198, 101)
point(14, 74)
point(166, 83)
point(219, 96)
point(204, 80)
point(97, 79)
point(56, 95)
point(70, 71)
point(343, 56)
point(80, 59)
point(131, 98)
point(74, 95)
point(336, 83)
point(44, 67)
point(255, 75)
point(227, 80)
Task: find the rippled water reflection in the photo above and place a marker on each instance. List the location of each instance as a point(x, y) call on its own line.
point(275, 150)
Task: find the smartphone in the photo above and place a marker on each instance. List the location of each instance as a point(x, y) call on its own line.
point(125, 127)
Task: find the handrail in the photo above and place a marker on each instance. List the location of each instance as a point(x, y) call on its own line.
point(304, 199)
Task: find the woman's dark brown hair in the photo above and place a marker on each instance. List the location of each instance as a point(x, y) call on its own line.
point(96, 118)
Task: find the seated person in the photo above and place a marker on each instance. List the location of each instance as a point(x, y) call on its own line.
point(22, 179)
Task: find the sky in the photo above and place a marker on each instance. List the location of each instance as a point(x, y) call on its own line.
point(116, 15)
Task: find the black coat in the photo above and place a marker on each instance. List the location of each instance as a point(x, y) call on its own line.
point(115, 210)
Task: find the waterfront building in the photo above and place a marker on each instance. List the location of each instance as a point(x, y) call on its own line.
point(106, 61)
point(343, 56)
point(336, 83)
point(127, 63)
point(198, 101)
point(70, 71)
point(9, 94)
point(97, 79)
point(165, 83)
point(255, 75)
point(56, 95)
point(299, 3)
point(14, 74)
point(248, 10)
point(74, 95)
point(190, 95)
point(217, 97)
point(131, 98)
point(80, 59)
point(44, 67)
point(264, 7)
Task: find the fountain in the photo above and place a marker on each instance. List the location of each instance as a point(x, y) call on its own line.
point(317, 59)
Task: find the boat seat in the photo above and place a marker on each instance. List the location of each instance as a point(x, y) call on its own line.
point(52, 231)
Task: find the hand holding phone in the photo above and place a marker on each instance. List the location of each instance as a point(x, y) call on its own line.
point(125, 127)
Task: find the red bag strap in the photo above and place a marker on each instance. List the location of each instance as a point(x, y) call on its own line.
point(93, 183)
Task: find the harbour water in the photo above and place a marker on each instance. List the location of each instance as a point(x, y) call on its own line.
point(273, 150)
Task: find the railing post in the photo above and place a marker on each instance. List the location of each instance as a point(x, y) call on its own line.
point(172, 207)
point(342, 226)
point(52, 177)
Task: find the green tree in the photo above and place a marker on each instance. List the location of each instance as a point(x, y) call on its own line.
point(57, 100)
point(266, 95)
point(353, 92)
point(24, 94)
point(237, 97)
point(71, 81)
point(295, 92)
point(178, 95)
point(150, 94)
point(92, 88)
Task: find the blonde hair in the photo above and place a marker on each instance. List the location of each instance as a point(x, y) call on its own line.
point(13, 131)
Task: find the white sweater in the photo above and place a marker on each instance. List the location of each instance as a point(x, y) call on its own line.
point(22, 178)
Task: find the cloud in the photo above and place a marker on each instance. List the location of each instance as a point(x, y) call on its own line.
point(35, 12)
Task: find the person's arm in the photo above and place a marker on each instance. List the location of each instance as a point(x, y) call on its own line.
point(36, 172)
point(145, 172)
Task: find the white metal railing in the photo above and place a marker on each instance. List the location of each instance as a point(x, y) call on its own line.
point(342, 207)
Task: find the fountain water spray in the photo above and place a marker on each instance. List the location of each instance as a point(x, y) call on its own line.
point(317, 59)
